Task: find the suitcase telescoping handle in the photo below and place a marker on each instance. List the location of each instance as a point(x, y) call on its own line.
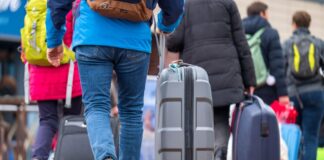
point(161, 44)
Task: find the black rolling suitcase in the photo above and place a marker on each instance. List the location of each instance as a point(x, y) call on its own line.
point(73, 142)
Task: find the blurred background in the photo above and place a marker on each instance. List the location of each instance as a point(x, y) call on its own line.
point(281, 11)
point(17, 128)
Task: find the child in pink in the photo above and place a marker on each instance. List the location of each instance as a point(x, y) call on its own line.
point(47, 86)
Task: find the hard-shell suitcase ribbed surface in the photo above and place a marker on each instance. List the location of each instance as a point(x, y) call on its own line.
point(184, 115)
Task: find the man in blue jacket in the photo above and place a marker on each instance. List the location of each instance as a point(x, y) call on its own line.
point(102, 45)
point(272, 53)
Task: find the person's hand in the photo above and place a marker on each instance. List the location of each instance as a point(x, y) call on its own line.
point(114, 111)
point(55, 55)
point(147, 121)
point(250, 90)
point(170, 57)
point(166, 34)
point(284, 100)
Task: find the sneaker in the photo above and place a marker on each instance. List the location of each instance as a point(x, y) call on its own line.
point(221, 154)
point(109, 158)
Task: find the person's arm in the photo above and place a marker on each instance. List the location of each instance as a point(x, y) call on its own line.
point(55, 21)
point(242, 48)
point(175, 44)
point(322, 55)
point(170, 15)
point(277, 66)
point(175, 41)
point(285, 48)
point(55, 29)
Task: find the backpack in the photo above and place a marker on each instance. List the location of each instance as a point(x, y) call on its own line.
point(33, 35)
point(260, 68)
point(304, 58)
point(132, 10)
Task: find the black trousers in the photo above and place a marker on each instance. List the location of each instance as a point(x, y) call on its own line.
point(222, 131)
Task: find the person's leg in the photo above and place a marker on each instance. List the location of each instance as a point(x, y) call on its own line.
point(76, 107)
point(296, 104)
point(131, 71)
point(114, 122)
point(48, 124)
point(221, 125)
point(95, 68)
point(312, 115)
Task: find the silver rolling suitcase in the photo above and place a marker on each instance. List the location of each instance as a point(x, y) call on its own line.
point(184, 117)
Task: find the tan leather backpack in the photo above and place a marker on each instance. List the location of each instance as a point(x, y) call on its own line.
point(135, 12)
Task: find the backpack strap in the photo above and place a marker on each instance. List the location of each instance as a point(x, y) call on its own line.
point(257, 34)
point(26, 83)
point(69, 85)
point(254, 39)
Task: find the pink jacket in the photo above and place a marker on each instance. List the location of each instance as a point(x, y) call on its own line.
point(49, 83)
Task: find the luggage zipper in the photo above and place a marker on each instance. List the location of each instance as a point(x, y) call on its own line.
point(189, 114)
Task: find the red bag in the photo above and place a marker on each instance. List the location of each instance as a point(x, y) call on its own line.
point(284, 113)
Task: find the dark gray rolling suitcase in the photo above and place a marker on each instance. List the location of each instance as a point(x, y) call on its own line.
point(73, 142)
point(184, 114)
point(255, 132)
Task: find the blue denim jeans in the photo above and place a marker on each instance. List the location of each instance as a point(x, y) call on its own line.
point(96, 64)
point(309, 119)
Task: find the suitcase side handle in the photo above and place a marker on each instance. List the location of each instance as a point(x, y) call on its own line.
point(75, 124)
point(250, 99)
point(264, 120)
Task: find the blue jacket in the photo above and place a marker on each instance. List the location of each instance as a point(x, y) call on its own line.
point(273, 57)
point(93, 29)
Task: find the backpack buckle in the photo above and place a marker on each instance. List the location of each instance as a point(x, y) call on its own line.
point(104, 5)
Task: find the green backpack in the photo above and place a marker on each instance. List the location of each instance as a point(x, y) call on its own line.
point(33, 35)
point(261, 71)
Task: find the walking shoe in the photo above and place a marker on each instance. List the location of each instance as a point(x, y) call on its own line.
point(109, 158)
point(221, 154)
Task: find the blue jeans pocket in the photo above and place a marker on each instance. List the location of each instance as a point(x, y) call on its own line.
point(135, 56)
point(85, 53)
